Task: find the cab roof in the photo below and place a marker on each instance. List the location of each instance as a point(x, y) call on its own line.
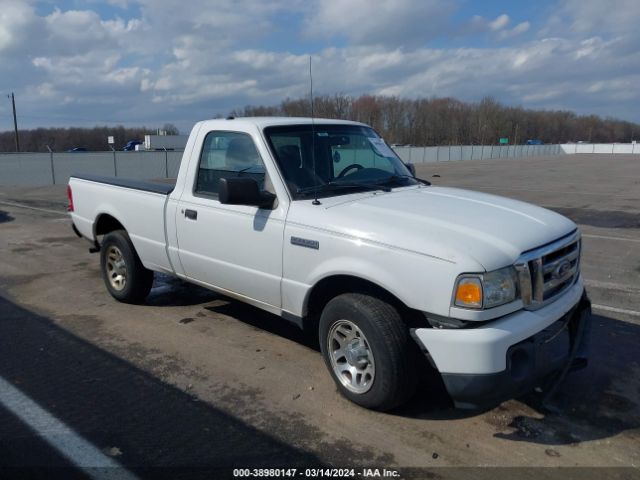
point(263, 122)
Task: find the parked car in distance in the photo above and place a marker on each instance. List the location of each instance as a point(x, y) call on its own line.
point(535, 142)
point(77, 149)
point(131, 145)
point(390, 273)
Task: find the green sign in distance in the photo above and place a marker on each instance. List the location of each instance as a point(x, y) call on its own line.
point(504, 141)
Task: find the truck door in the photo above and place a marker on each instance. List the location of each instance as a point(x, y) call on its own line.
point(237, 248)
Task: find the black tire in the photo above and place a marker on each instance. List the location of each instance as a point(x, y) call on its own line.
point(389, 342)
point(137, 279)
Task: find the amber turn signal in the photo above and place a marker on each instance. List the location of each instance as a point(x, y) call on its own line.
point(469, 292)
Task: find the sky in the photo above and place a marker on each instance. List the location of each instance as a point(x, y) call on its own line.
point(150, 62)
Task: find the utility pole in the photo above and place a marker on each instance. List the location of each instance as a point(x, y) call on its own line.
point(15, 121)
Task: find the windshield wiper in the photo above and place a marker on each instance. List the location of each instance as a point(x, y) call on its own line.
point(395, 177)
point(249, 168)
point(327, 187)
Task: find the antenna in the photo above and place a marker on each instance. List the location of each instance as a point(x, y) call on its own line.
point(313, 138)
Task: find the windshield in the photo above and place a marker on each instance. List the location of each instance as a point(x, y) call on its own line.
point(348, 158)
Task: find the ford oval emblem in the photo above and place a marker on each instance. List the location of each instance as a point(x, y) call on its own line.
point(561, 270)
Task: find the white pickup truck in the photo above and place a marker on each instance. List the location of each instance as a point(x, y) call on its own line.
point(319, 222)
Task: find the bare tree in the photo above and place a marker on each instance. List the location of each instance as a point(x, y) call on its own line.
point(420, 121)
point(170, 129)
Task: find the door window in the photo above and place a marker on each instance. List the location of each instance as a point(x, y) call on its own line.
point(227, 155)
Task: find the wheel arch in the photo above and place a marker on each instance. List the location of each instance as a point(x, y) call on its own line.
point(331, 286)
point(106, 223)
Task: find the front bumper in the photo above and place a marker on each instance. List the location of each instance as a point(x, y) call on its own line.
point(484, 366)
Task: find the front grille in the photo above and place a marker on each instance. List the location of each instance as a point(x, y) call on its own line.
point(546, 272)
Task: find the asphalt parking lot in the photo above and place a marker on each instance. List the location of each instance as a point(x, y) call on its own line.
point(193, 381)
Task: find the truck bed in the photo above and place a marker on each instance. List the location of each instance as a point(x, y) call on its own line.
point(138, 205)
point(163, 187)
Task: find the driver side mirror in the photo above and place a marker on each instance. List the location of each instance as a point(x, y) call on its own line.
point(411, 167)
point(243, 191)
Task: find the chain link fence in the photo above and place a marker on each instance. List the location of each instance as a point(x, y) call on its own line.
point(613, 148)
point(451, 153)
point(56, 168)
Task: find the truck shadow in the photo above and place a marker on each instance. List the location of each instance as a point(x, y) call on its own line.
point(168, 291)
point(150, 427)
point(266, 321)
point(5, 217)
point(598, 402)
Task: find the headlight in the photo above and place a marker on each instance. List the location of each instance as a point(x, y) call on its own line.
point(500, 287)
point(486, 290)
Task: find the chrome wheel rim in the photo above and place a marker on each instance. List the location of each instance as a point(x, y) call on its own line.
point(116, 268)
point(351, 356)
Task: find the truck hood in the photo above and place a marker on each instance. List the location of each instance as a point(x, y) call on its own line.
point(452, 224)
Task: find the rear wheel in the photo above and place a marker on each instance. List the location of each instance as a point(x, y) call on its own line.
point(368, 350)
point(126, 279)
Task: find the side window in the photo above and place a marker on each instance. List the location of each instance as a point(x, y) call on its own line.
point(227, 155)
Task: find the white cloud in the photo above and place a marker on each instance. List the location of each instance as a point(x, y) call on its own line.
point(388, 22)
point(119, 3)
point(499, 23)
point(584, 18)
point(16, 20)
point(612, 16)
point(180, 62)
point(517, 30)
point(497, 26)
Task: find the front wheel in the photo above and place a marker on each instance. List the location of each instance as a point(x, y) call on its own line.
point(126, 279)
point(368, 350)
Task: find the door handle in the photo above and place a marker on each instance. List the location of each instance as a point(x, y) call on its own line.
point(191, 214)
